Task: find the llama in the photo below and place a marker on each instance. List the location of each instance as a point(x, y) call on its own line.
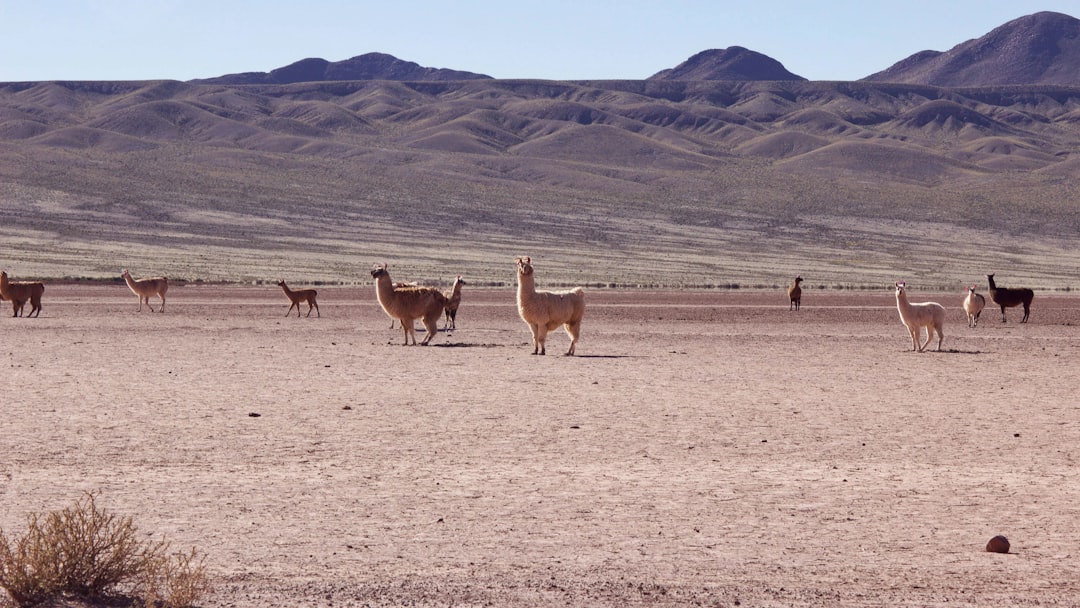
point(916, 316)
point(973, 305)
point(1007, 297)
point(544, 311)
point(19, 292)
point(795, 294)
point(406, 304)
point(453, 301)
point(144, 288)
point(300, 295)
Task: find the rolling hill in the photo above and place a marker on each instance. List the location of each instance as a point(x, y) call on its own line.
point(657, 182)
point(1038, 49)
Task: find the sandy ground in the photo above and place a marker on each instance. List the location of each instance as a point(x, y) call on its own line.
point(706, 449)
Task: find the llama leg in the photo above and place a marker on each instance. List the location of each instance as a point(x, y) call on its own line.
point(431, 325)
point(318, 313)
point(1027, 309)
point(162, 307)
point(572, 330)
point(940, 336)
point(539, 338)
point(1003, 315)
point(148, 304)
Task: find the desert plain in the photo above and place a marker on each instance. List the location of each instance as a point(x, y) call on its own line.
point(705, 447)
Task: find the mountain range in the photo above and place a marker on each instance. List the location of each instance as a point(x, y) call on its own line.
point(726, 169)
point(1038, 49)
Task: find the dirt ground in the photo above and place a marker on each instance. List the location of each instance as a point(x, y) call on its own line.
point(704, 448)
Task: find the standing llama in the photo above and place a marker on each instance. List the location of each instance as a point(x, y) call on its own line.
point(916, 316)
point(453, 301)
point(19, 292)
point(406, 304)
point(544, 311)
point(300, 295)
point(973, 306)
point(144, 288)
point(1007, 297)
point(794, 293)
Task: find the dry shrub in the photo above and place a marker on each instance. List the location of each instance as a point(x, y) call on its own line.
point(176, 581)
point(86, 552)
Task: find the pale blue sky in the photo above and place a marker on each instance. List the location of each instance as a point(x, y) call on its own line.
point(553, 39)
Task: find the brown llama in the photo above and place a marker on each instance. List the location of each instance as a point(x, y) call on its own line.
point(18, 292)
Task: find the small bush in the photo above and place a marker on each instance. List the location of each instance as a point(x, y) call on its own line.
point(85, 552)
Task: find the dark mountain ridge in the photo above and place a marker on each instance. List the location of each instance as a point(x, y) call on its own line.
point(732, 63)
point(370, 66)
point(1038, 49)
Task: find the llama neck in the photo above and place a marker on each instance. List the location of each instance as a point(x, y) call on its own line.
point(902, 304)
point(526, 285)
point(130, 281)
point(286, 289)
point(384, 288)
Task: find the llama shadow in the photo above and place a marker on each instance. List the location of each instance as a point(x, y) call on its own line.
point(465, 345)
point(956, 351)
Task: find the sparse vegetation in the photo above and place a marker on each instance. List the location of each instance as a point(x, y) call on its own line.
point(85, 552)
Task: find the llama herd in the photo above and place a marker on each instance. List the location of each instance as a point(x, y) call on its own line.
point(931, 315)
point(542, 311)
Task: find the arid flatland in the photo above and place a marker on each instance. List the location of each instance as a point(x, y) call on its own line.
point(704, 449)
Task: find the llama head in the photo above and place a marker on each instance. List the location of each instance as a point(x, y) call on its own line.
point(900, 286)
point(524, 266)
point(379, 271)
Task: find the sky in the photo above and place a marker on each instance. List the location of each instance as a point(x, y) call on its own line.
point(552, 39)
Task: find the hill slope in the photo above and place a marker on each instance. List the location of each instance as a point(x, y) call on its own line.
point(613, 182)
point(732, 63)
point(1038, 49)
point(370, 66)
